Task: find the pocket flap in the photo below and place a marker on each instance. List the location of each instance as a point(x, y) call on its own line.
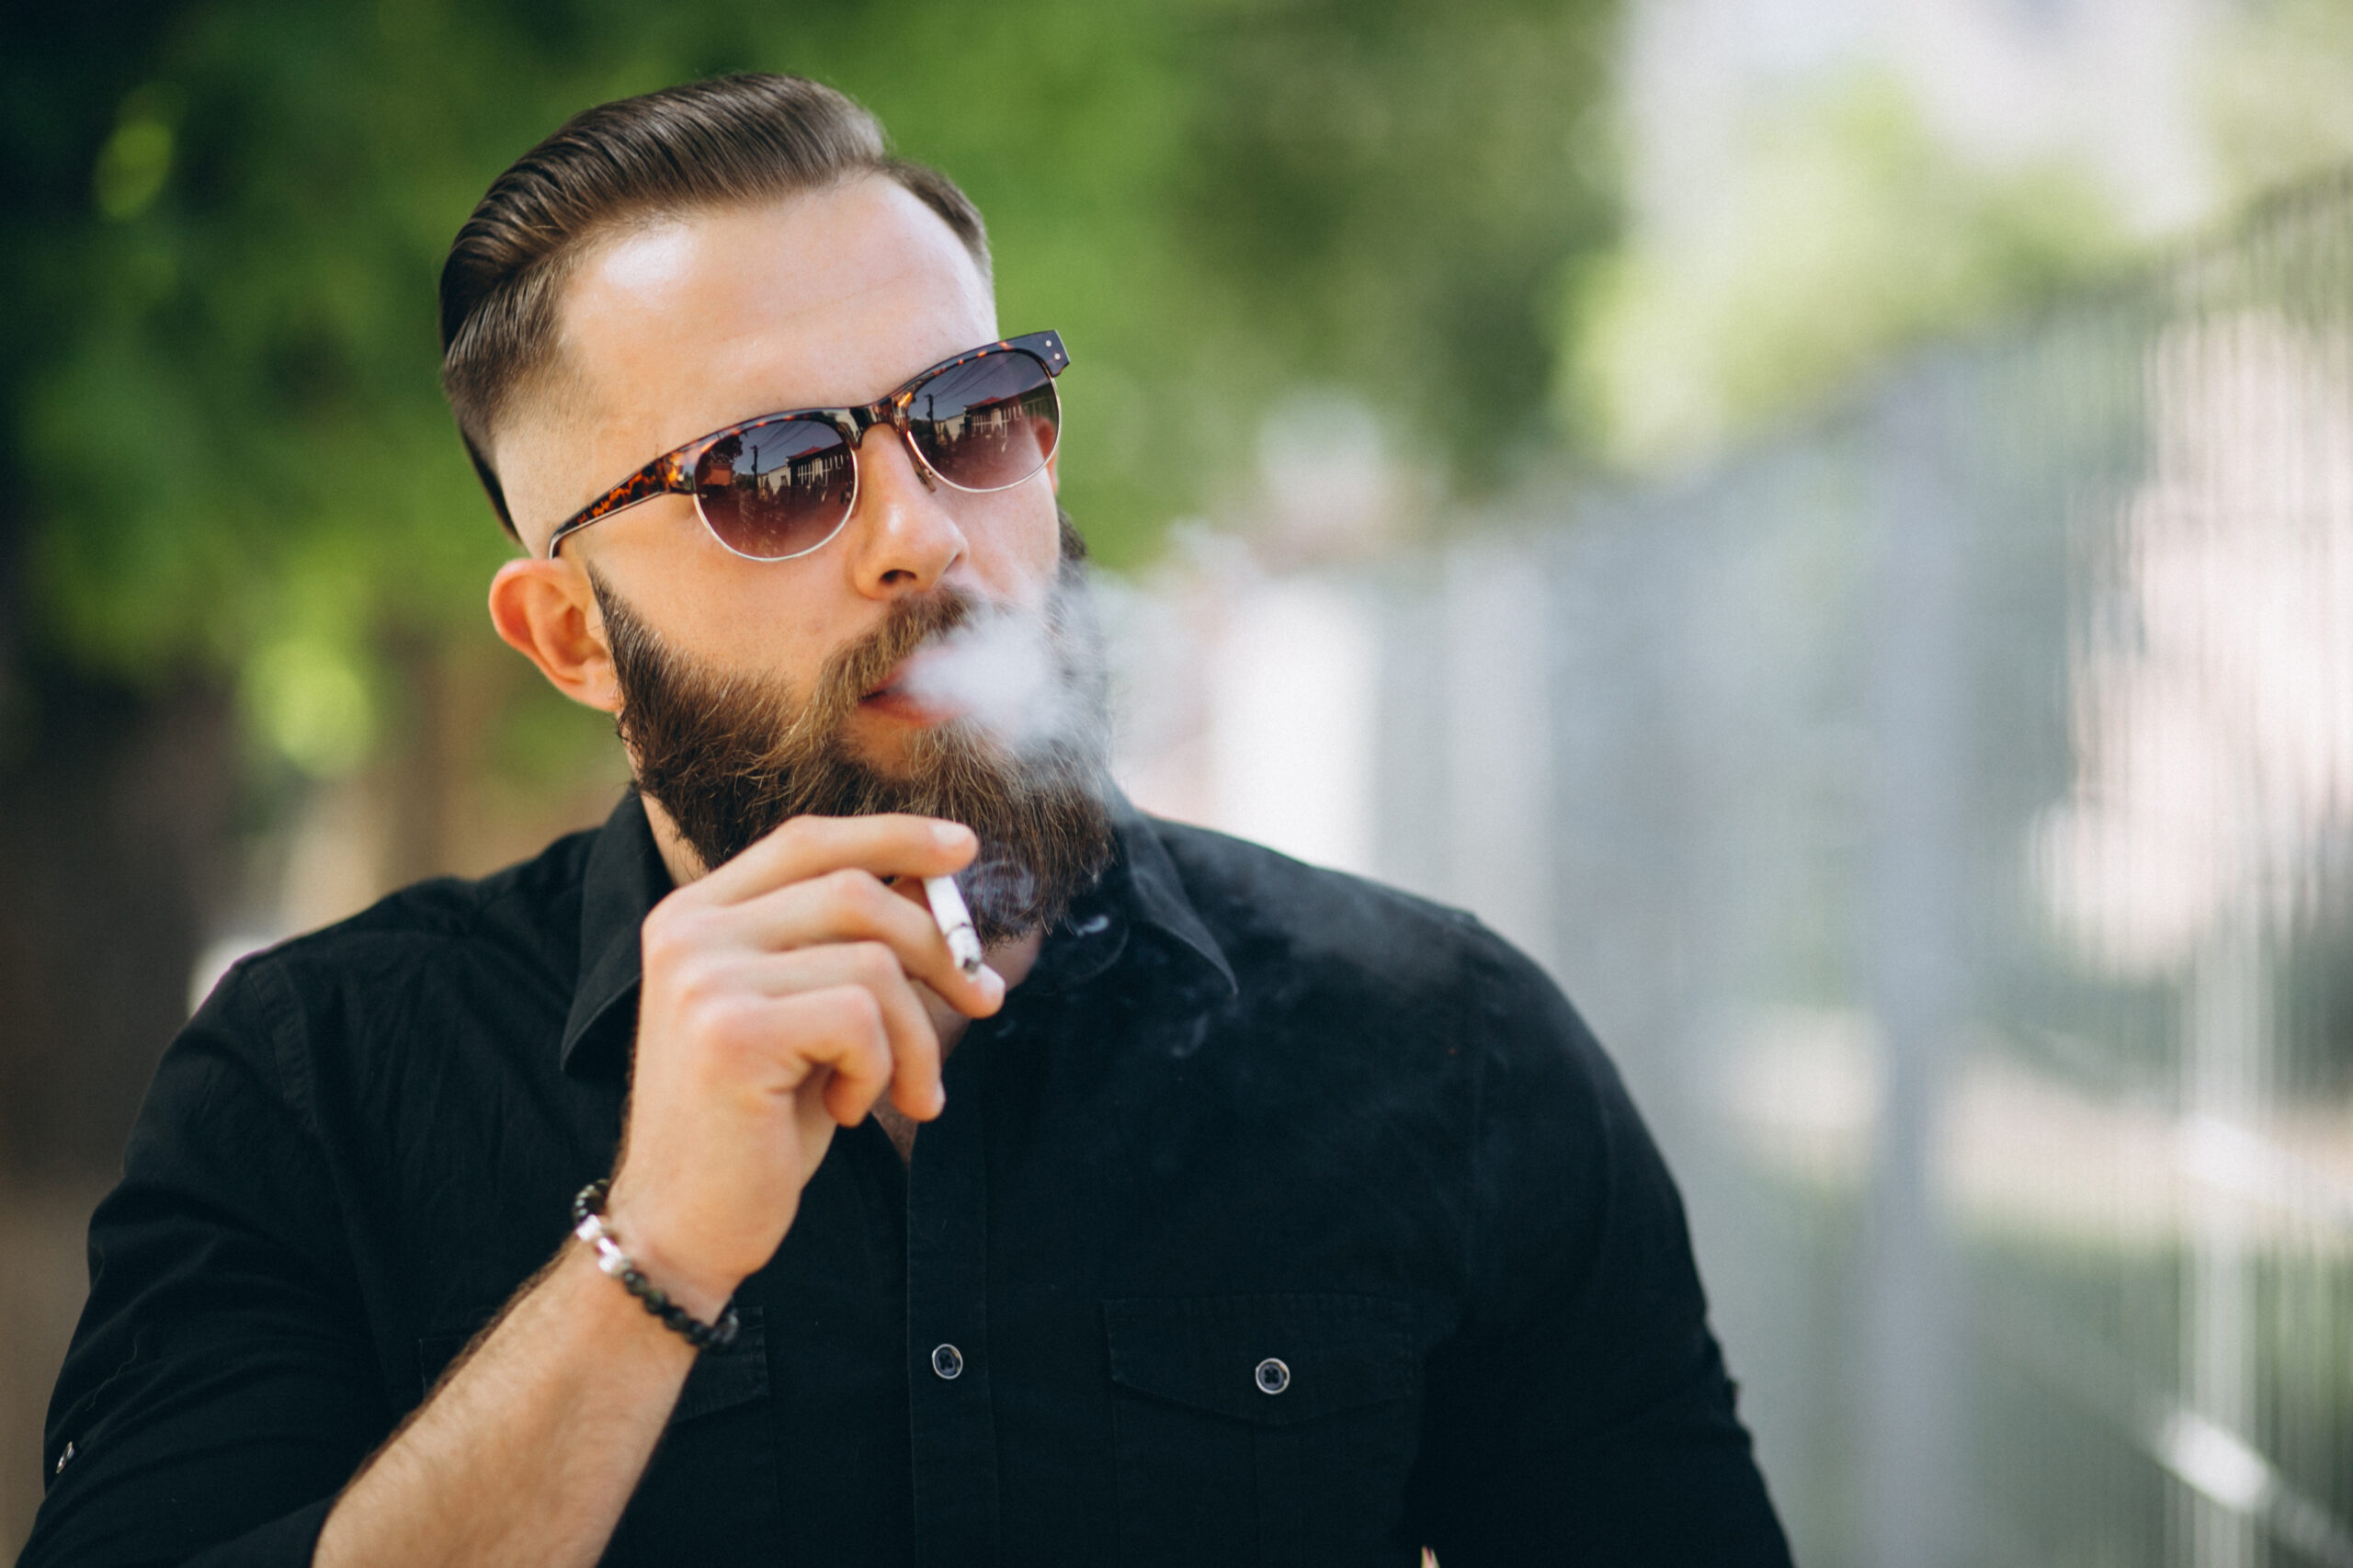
point(721, 1380)
point(1273, 1361)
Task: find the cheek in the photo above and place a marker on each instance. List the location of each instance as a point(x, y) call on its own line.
point(722, 612)
point(758, 630)
point(1017, 543)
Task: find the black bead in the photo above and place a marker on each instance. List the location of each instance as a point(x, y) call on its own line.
point(701, 1335)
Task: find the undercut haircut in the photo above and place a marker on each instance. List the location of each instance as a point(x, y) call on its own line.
point(729, 141)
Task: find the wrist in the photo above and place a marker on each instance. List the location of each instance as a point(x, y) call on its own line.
point(702, 1316)
point(644, 1232)
point(700, 1298)
point(608, 1315)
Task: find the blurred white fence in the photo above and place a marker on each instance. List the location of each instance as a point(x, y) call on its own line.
point(1946, 817)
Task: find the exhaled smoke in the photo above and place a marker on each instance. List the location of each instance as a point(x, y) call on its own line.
point(731, 757)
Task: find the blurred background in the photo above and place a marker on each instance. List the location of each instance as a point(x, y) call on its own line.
point(1828, 521)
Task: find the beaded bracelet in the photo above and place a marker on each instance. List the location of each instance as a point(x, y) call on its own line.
point(588, 1217)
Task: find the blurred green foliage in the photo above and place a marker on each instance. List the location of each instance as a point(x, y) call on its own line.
point(2279, 90)
point(1850, 235)
point(228, 452)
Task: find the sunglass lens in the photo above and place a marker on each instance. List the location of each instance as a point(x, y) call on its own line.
point(777, 489)
point(989, 422)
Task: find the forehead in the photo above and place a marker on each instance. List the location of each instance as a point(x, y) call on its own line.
point(829, 297)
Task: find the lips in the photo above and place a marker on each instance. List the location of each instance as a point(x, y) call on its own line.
point(893, 700)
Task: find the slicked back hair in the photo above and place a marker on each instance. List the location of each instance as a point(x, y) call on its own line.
point(728, 142)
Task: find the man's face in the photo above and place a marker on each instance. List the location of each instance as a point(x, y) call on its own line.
point(827, 299)
point(750, 691)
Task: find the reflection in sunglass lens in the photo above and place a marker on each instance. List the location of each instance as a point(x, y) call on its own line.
point(987, 424)
point(777, 489)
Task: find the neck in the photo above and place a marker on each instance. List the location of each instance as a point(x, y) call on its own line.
point(684, 865)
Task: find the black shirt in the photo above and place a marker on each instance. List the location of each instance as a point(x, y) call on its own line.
point(1279, 1218)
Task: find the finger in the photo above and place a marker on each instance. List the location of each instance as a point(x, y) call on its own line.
point(914, 1042)
point(837, 1034)
point(854, 906)
point(885, 845)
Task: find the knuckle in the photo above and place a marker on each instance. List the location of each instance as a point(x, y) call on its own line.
point(859, 1014)
point(696, 976)
point(873, 962)
point(867, 1009)
point(841, 1023)
point(727, 1024)
point(658, 937)
point(673, 934)
point(664, 947)
point(856, 891)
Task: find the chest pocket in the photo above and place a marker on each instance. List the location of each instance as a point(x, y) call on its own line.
point(1273, 1429)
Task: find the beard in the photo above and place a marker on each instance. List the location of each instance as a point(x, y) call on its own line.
point(729, 757)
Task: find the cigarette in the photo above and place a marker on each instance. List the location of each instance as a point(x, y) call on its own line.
point(955, 922)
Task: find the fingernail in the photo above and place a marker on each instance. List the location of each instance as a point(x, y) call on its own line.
point(991, 982)
point(948, 833)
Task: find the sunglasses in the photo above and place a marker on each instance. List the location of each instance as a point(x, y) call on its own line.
point(783, 484)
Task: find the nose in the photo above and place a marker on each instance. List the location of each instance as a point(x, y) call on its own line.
point(903, 539)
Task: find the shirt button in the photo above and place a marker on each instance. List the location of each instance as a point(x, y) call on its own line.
point(1273, 1376)
point(62, 1459)
point(949, 1362)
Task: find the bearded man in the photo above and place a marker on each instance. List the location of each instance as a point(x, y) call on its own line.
point(676, 1197)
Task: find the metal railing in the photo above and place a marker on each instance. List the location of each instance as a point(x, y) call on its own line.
point(1945, 815)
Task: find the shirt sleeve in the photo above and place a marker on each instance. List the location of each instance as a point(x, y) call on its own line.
point(220, 1388)
point(1582, 1412)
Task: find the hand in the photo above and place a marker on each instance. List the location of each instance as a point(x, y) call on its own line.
point(779, 1002)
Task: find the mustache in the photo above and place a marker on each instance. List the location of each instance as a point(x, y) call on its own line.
point(855, 673)
point(846, 679)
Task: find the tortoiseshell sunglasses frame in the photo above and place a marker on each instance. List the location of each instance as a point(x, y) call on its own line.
point(673, 474)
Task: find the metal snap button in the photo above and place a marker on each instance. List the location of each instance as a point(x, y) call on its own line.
point(1273, 1376)
point(949, 1362)
point(62, 1459)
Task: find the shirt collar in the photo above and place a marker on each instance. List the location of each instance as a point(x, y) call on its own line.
point(1142, 884)
point(626, 878)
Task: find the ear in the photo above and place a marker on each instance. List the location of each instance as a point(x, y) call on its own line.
point(1054, 469)
point(546, 611)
